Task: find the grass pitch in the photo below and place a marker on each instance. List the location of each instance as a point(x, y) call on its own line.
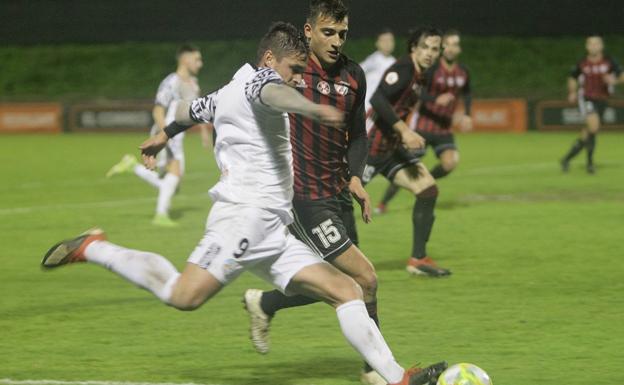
point(535, 298)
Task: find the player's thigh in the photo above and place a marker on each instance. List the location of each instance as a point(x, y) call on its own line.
point(354, 263)
point(325, 282)
point(449, 158)
point(319, 225)
point(194, 287)
point(415, 178)
point(593, 122)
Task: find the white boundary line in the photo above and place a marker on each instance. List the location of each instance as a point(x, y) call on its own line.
point(8, 381)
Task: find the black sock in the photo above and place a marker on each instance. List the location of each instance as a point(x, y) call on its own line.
point(590, 144)
point(371, 308)
point(422, 220)
point(391, 191)
point(578, 145)
point(439, 172)
point(274, 300)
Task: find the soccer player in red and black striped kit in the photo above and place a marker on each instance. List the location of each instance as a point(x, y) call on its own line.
point(591, 82)
point(445, 82)
point(396, 150)
point(328, 167)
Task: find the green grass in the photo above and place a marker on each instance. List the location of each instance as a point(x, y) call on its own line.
point(536, 295)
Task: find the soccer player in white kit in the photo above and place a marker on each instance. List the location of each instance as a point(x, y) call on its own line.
point(179, 86)
point(378, 62)
point(247, 225)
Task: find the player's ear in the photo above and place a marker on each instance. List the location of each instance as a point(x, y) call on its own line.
point(307, 30)
point(268, 59)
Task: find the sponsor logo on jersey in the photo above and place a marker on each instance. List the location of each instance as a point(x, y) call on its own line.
point(323, 87)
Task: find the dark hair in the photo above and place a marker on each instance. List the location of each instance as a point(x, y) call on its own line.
point(185, 48)
point(383, 31)
point(416, 34)
point(336, 9)
point(450, 32)
point(283, 39)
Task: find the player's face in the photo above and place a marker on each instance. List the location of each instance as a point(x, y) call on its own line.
point(327, 37)
point(192, 61)
point(290, 68)
point(385, 43)
point(427, 51)
point(452, 48)
point(594, 46)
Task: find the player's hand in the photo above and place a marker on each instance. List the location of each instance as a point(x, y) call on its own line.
point(445, 99)
point(362, 198)
point(465, 123)
point(610, 79)
point(330, 116)
point(151, 147)
point(572, 97)
point(411, 140)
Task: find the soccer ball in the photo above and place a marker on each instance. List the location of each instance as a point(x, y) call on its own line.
point(464, 374)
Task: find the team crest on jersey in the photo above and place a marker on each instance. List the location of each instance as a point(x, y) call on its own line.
point(391, 78)
point(341, 89)
point(323, 87)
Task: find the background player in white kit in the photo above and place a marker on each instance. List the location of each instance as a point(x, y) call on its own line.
point(247, 225)
point(176, 87)
point(378, 62)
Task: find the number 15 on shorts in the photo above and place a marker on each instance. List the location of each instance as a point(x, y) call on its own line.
point(327, 233)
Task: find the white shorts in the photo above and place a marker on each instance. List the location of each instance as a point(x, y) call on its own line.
point(240, 238)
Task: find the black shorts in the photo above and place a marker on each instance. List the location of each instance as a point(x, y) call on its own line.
point(327, 225)
point(589, 106)
point(439, 142)
point(389, 165)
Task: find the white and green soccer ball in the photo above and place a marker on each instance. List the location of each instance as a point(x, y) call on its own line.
point(464, 374)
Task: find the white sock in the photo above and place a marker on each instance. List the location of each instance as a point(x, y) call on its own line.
point(147, 175)
point(165, 193)
point(362, 333)
point(149, 271)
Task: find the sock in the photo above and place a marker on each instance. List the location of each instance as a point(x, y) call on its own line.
point(274, 300)
point(149, 176)
point(578, 145)
point(371, 309)
point(149, 271)
point(365, 337)
point(422, 220)
point(590, 144)
point(439, 172)
point(391, 191)
point(165, 193)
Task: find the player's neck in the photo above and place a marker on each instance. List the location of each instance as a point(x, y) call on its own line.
point(318, 62)
point(183, 73)
point(595, 58)
point(448, 64)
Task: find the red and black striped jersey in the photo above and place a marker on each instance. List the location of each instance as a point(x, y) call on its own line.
point(319, 151)
point(395, 97)
point(591, 76)
point(441, 79)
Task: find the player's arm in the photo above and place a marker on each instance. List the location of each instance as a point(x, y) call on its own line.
point(616, 76)
point(164, 97)
point(284, 98)
point(395, 80)
point(465, 123)
point(158, 114)
point(573, 83)
point(357, 150)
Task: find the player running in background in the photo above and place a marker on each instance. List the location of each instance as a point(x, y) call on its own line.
point(246, 227)
point(328, 167)
point(378, 62)
point(396, 150)
point(445, 82)
point(590, 84)
point(176, 87)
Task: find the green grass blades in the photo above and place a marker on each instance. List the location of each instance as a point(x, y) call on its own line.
point(535, 296)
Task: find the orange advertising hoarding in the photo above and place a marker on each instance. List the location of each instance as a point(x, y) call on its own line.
point(30, 117)
point(497, 115)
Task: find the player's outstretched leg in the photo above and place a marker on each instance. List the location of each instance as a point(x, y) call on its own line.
point(576, 148)
point(591, 146)
point(344, 294)
point(448, 162)
point(419, 181)
point(150, 271)
point(389, 194)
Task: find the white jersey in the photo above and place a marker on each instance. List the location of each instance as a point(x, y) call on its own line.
point(374, 67)
point(172, 90)
point(252, 148)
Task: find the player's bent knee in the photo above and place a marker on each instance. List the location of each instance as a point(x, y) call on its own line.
point(348, 290)
point(368, 282)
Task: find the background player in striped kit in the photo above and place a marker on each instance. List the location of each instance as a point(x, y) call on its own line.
point(396, 150)
point(324, 181)
point(178, 86)
point(378, 62)
point(590, 84)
